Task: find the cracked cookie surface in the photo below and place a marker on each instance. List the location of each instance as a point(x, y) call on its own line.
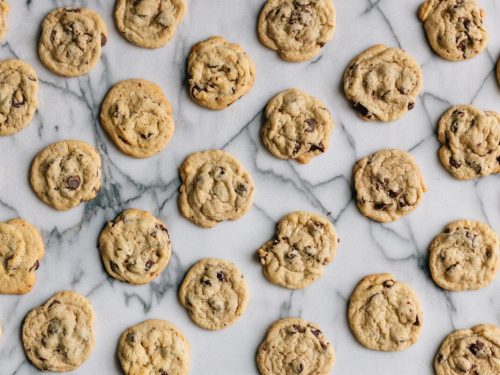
point(295, 346)
point(215, 187)
point(470, 351)
point(137, 116)
point(135, 247)
point(71, 41)
point(4, 12)
point(455, 28)
point(66, 173)
point(304, 244)
point(296, 29)
point(388, 185)
point(149, 23)
point(18, 95)
point(298, 126)
point(214, 293)
point(384, 314)
point(153, 347)
point(58, 335)
point(219, 73)
point(464, 256)
point(470, 142)
point(21, 249)
point(382, 83)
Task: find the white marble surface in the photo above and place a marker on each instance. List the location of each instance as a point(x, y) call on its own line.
point(69, 109)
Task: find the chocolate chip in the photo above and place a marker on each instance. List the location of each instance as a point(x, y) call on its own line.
point(104, 39)
point(53, 327)
point(316, 332)
point(221, 275)
point(439, 358)
point(161, 227)
point(149, 264)
point(388, 283)
point(381, 206)
point(35, 266)
point(241, 189)
point(498, 159)
point(476, 347)
point(417, 322)
point(321, 44)
point(73, 182)
point(114, 267)
point(163, 372)
point(130, 337)
point(319, 147)
point(466, 23)
point(410, 106)
point(16, 103)
point(454, 163)
point(311, 125)
point(292, 253)
point(296, 148)
point(362, 110)
point(462, 45)
point(394, 194)
point(207, 282)
point(488, 254)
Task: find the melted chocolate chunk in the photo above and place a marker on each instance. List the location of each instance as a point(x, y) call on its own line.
point(149, 264)
point(311, 125)
point(319, 147)
point(362, 110)
point(35, 266)
point(73, 182)
point(380, 206)
point(454, 163)
point(394, 194)
point(114, 267)
point(221, 276)
point(104, 39)
point(476, 347)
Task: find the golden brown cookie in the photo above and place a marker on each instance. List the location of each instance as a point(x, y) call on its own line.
point(4, 12)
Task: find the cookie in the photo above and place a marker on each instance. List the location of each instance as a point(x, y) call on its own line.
point(455, 28)
point(71, 41)
point(21, 249)
point(464, 256)
point(470, 351)
point(18, 95)
point(219, 73)
point(470, 142)
point(58, 335)
point(135, 247)
point(294, 346)
point(214, 293)
point(153, 347)
point(137, 117)
point(382, 83)
point(296, 29)
point(66, 173)
point(149, 24)
point(384, 314)
point(4, 12)
point(304, 244)
point(214, 187)
point(297, 126)
point(389, 185)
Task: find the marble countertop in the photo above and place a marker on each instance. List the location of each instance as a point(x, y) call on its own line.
point(69, 109)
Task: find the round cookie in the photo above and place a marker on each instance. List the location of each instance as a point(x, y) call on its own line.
point(470, 351)
point(4, 12)
point(66, 173)
point(304, 243)
point(58, 335)
point(214, 293)
point(215, 187)
point(137, 116)
point(389, 185)
point(296, 29)
point(153, 347)
point(455, 28)
point(294, 346)
point(298, 126)
point(470, 142)
point(464, 256)
point(18, 95)
point(382, 83)
point(219, 73)
point(384, 314)
point(135, 247)
point(146, 23)
point(71, 41)
point(21, 249)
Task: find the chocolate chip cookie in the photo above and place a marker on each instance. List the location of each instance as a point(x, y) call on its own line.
point(18, 95)
point(137, 116)
point(219, 73)
point(58, 335)
point(470, 142)
point(214, 293)
point(388, 185)
point(215, 187)
point(146, 23)
point(304, 244)
point(384, 314)
point(71, 41)
point(153, 347)
point(464, 256)
point(4, 12)
point(21, 249)
point(66, 173)
point(297, 126)
point(455, 28)
point(296, 29)
point(470, 351)
point(135, 247)
point(382, 83)
point(294, 346)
